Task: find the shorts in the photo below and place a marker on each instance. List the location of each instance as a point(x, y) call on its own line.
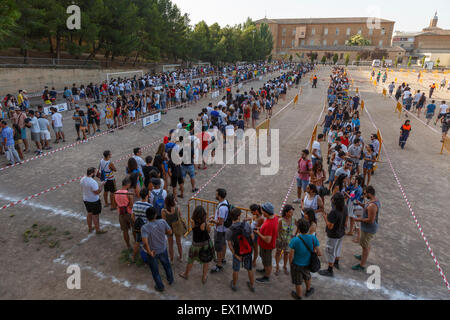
point(125, 221)
point(77, 127)
point(266, 256)
point(445, 128)
point(93, 207)
point(45, 135)
point(368, 166)
point(90, 120)
point(302, 183)
point(23, 133)
point(176, 178)
point(109, 122)
point(57, 129)
point(246, 263)
point(190, 170)
point(110, 186)
point(219, 241)
point(36, 136)
point(440, 115)
point(430, 115)
point(299, 274)
point(333, 249)
point(76, 97)
point(366, 239)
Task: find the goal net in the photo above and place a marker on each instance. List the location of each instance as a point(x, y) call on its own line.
point(123, 75)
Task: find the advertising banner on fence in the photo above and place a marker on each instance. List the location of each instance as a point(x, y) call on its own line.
point(151, 119)
point(60, 107)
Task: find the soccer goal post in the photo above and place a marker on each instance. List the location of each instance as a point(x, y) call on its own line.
point(124, 74)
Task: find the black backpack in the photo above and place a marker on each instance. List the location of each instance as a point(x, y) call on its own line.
point(228, 221)
point(314, 264)
point(139, 222)
point(242, 241)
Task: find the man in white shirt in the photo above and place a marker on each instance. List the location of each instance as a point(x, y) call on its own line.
point(35, 132)
point(222, 103)
point(91, 198)
point(141, 163)
point(416, 98)
point(220, 230)
point(44, 126)
point(316, 150)
point(57, 122)
point(180, 124)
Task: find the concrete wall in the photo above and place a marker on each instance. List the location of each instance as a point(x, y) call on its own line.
point(35, 79)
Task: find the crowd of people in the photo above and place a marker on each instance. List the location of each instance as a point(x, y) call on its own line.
point(147, 201)
point(115, 104)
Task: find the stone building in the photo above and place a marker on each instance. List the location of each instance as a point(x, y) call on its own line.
point(300, 37)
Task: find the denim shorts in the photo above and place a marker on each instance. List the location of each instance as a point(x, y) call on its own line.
point(246, 263)
point(302, 183)
point(188, 170)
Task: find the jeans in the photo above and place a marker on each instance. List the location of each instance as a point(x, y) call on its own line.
point(153, 264)
point(12, 155)
point(331, 179)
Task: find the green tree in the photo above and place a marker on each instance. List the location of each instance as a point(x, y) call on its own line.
point(347, 59)
point(358, 59)
point(409, 61)
point(396, 62)
point(438, 61)
point(324, 59)
point(423, 61)
point(358, 40)
point(335, 58)
point(9, 14)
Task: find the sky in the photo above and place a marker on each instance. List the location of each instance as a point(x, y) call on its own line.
point(412, 15)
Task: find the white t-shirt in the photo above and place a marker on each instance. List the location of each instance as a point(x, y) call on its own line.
point(229, 130)
point(443, 108)
point(57, 118)
point(221, 212)
point(156, 191)
point(35, 125)
point(89, 185)
point(406, 94)
point(316, 146)
point(140, 163)
point(179, 125)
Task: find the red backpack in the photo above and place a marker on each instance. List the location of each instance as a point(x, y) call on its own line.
point(242, 241)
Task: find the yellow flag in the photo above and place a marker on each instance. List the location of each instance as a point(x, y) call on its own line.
point(399, 107)
point(396, 80)
point(362, 104)
point(357, 90)
point(296, 99)
point(384, 92)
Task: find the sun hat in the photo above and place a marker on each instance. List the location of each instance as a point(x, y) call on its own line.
point(268, 208)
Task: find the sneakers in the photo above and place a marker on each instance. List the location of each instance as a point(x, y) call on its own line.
point(101, 232)
point(326, 273)
point(295, 295)
point(336, 265)
point(357, 257)
point(195, 190)
point(309, 292)
point(159, 289)
point(260, 270)
point(252, 289)
point(358, 267)
point(216, 269)
point(233, 287)
point(263, 280)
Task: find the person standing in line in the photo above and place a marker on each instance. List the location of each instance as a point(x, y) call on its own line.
point(369, 226)
point(304, 168)
point(155, 248)
point(76, 117)
point(35, 132)
point(91, 192)
point(267, 237)
point(107, 169)
point(300, 258)
point(8, 143)
point(124, 201)
point(286, 231)
point(221, 215)
point(335, 222)
point(405, 130)
point(44, 125)
point(57, 123)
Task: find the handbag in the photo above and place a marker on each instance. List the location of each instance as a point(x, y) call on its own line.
point(314, 264)
point(206, 255)
point(179, 226)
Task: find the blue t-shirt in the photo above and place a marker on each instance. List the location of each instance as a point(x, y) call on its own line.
point(431, 107)
point(328, 121)
point(9, 135)
point(302, 256)
point(169, 146)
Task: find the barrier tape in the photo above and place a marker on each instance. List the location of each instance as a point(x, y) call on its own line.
point(105, 132)
point(416, 221)
point(116, 161)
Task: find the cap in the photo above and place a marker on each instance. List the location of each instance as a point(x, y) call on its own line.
point(156, 182)
point(268, 208)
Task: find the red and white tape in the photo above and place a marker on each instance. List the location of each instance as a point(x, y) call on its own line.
point(288, 193)
point(100, 134)
point(416, 221)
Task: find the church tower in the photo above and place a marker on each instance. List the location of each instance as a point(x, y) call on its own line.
point(434, 21)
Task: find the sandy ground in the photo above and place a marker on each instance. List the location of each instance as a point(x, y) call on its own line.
point(34, 270)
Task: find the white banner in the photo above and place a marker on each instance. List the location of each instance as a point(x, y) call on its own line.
point(151, 119)
point(60, 107)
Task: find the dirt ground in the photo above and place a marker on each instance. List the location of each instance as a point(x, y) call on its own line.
point(41, 238)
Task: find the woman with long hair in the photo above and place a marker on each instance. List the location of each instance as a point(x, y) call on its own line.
point(286, 231)
point(162, 152)
point(369, 157)
point(257, 221)
point(201, 242)
point(172, 214)
point(312, 199)
point(318, 177)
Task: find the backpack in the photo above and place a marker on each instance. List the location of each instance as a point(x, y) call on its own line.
point(158, 202)
point(314, 264)
point(242, 241)
point(139, 222)
point(228, 221)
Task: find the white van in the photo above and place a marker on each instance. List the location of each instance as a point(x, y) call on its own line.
point(376, 63)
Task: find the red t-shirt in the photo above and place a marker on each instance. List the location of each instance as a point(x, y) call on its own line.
point(345, 141)
point(269, 228)
point(204, 137)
